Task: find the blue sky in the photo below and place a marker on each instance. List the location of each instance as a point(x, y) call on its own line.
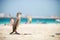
point(31, 7)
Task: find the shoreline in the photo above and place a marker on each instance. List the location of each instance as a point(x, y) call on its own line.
point(37, 17)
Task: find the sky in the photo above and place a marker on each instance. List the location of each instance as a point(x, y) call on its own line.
point(31, 7)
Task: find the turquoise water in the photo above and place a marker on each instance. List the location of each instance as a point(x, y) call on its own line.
point(25, 20)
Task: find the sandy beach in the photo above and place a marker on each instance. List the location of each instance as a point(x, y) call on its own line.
point(31, 32)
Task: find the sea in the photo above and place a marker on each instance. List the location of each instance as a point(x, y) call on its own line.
point(34, 20)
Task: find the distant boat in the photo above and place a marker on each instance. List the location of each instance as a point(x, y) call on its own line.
point(58, 20)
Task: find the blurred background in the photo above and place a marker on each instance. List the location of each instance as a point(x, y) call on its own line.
point(35, 8)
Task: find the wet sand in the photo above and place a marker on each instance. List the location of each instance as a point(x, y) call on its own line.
point(31, 32)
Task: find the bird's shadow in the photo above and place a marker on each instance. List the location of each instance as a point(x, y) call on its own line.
point(27, 34)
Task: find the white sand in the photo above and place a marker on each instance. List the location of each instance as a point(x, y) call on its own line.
point(33, 31)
